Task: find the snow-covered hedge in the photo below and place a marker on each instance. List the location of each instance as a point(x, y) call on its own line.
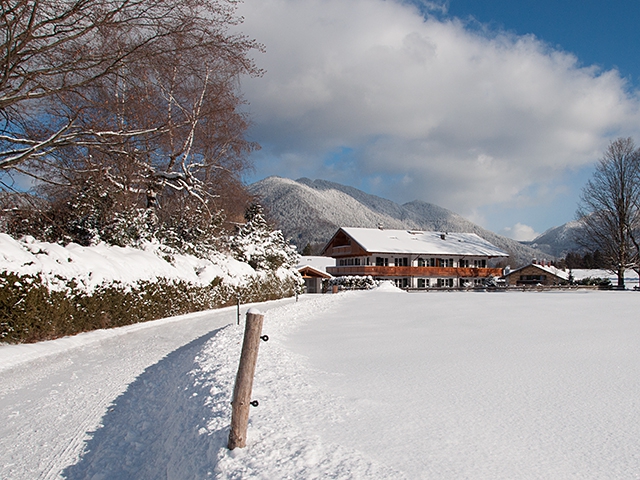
point(353, 282)
point(48, 290)
point(30, 311)
point(597, 281)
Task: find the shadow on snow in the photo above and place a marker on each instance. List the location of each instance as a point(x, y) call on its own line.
point(157, 427)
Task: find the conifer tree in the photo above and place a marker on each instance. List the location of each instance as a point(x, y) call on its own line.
point(261, 247)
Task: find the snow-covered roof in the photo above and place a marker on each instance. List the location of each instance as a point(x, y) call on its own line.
point(554, 271)
point(308, 271)
point(375, 240)
point(317, 263)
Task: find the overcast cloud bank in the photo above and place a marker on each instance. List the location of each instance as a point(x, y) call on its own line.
point(372, 93)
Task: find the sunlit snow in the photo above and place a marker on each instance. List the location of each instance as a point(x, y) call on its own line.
point(373, 384)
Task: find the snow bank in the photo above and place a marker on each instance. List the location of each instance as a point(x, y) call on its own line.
point(388, 286)
point(104, 264)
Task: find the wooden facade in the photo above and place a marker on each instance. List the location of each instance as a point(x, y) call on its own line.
point(413, 259)
point(447, 272)
point(535, 274)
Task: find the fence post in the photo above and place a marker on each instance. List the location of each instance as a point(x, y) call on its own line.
point(240, 403)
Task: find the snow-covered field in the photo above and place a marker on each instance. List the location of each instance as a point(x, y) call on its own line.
point(377, 384)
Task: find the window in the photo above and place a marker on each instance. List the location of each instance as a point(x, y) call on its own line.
point(445, 282)
point(423, 282)
point(382, 262)
point(402, 282)
point(533, 278)
point(349, 262)
point(462, 263)
point(401, 262)
point(422, 262)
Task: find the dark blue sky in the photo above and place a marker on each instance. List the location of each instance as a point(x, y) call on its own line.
point(603, 33)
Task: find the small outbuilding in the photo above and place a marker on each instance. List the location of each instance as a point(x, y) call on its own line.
point(313, 271)
point(537, 274)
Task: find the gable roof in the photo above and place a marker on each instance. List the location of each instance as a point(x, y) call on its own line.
point(375, 240)
point(545, 268)
point(317, 262)
point(308, 271)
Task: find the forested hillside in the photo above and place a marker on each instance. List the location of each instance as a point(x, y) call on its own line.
point(310, 211)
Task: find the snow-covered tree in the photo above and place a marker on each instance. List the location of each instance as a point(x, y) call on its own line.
point(261, 247)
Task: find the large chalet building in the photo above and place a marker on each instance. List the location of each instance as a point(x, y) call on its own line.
point(413, 259)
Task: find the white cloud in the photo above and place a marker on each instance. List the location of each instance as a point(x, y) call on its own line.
point(439, 112)
point(520, 232)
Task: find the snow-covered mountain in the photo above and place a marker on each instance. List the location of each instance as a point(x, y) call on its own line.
point(310, 211)
point(557, 241)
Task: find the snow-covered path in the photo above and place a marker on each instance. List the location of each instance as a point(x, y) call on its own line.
point(53, 393)
point(360, 385)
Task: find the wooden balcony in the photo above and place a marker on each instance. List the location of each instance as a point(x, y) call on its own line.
point(432, 272)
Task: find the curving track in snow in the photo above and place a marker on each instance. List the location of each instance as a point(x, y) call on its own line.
point(54, 393)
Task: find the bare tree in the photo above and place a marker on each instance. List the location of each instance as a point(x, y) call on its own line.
point(53, 50)
point(609, 209)
point(122, 106)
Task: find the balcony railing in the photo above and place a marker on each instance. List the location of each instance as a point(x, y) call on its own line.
point(443, 272)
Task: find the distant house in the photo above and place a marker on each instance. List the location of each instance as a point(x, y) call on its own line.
point(314, 271)
point(413, 259)
point(537, 274)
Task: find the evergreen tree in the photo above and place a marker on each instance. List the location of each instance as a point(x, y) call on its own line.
point(261, 247)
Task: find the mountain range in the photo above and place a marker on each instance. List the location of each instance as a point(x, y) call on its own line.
point(309, 212)
point(558, 241)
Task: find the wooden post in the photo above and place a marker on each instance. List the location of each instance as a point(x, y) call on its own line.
point(244, 380)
